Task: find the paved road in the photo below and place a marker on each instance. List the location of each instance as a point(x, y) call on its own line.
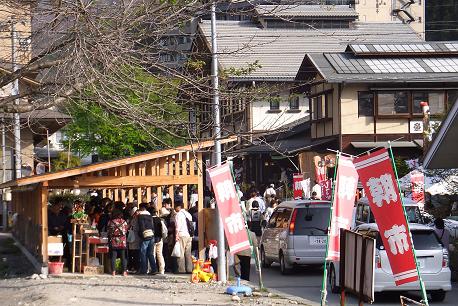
point(306, 283)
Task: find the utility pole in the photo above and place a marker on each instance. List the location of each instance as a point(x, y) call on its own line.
point(16, 119)
point(217, 134)
point(4, 204)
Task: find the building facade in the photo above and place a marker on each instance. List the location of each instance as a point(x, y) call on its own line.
point(371, 94)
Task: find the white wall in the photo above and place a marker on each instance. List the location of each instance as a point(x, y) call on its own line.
point(263, 120)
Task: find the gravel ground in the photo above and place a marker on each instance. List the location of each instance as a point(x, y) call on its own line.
point(107, 290)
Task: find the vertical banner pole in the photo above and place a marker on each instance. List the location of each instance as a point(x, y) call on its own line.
point(422, 285)
point(325, 270)
point(254, 251)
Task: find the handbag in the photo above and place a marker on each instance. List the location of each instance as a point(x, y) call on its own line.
point(148, 234)
point(176, 252)
point(130, 236)
point(165, 231)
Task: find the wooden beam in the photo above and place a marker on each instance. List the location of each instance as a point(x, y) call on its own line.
point(124, 182)
point(43, 200)
point(159, 197)
point(200, 209)
point(113, 163)
point(185, 196)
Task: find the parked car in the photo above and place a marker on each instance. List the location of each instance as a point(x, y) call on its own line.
point(363, 214)
point(432, 258)
point(296, 234)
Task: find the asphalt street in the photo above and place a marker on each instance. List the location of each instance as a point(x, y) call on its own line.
point(306, 283)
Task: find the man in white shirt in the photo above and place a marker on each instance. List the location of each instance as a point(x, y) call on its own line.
point(270, 192)
point(317, 189)
point(194, 198)
point(183, 237)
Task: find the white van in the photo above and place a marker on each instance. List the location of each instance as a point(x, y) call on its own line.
point(296, 234)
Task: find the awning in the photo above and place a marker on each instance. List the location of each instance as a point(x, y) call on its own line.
point(443, 149)
point(394, 144)
point(284, 146)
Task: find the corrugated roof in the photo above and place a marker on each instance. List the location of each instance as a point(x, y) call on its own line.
point(306, 11)
point(280, 52)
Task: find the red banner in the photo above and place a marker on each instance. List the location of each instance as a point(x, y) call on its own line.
point(379, 182)
point(326, 190)
point(417, 179)
point(297, 186)
point(344, 200)
point(229, 208)
point(320, 169)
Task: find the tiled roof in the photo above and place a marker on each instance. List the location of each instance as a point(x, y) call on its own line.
point(347, 67)
point(280, 52)
point(306, 11)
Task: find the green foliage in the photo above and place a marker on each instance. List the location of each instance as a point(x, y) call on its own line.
point(401, 166)
point(114, 133)
point(250, 68)
point(67, 198)
point(62, 162)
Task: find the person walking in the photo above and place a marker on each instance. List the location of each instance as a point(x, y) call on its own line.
point(243, 259)
point(146, 233)
point(183, 222)
point(442, 232)
point(117, 231)
point(134, 243)
point(160, 232)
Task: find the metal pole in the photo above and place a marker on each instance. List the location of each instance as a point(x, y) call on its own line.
point(420, 280)
point(4, 204)
point(16, 119)
point(47, 146)
point(217, 134)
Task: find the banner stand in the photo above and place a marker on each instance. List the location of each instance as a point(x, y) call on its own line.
point(254, 251)
point(422, 285)
point(324, 292)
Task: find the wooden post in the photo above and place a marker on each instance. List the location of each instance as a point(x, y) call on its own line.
point(148, 194)
point(159, 197)
point(200, 205)
point(172, 193)
point(43, 200)
point(123, 191)
point(185, 196)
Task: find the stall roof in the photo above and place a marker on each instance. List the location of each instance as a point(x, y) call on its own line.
point(442, 151)
point(195, 147)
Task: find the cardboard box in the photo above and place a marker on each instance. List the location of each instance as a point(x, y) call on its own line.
point(55, 239)
point(93, 270)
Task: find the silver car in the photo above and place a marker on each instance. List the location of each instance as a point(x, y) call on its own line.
point(432, 259)
point(296, 234)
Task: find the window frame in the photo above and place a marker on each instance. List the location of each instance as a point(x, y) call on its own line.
point(373, 103)
point(326, 97)
point(272, 100)
point(296, 100)
point(410, 93)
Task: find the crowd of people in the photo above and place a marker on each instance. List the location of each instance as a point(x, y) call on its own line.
point(141, 235)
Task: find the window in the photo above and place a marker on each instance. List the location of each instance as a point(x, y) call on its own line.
point(283, 218)
point(365, 104)
point(321, 106)
point(273, 220)
point(434, 99)
point(392, 103)
point(274, 102)
point(294, 102)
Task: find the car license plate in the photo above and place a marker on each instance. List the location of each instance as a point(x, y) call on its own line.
point(317, 240)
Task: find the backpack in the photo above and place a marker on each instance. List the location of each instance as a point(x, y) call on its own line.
point(146, 227)
point(190, 226)
point(164, 230)
point(255, 215)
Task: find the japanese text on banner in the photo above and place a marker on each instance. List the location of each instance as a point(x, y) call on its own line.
point(343, 202)
point(229, 208)
point(379, 183)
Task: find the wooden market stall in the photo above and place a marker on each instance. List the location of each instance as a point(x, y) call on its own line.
point(131, 177)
